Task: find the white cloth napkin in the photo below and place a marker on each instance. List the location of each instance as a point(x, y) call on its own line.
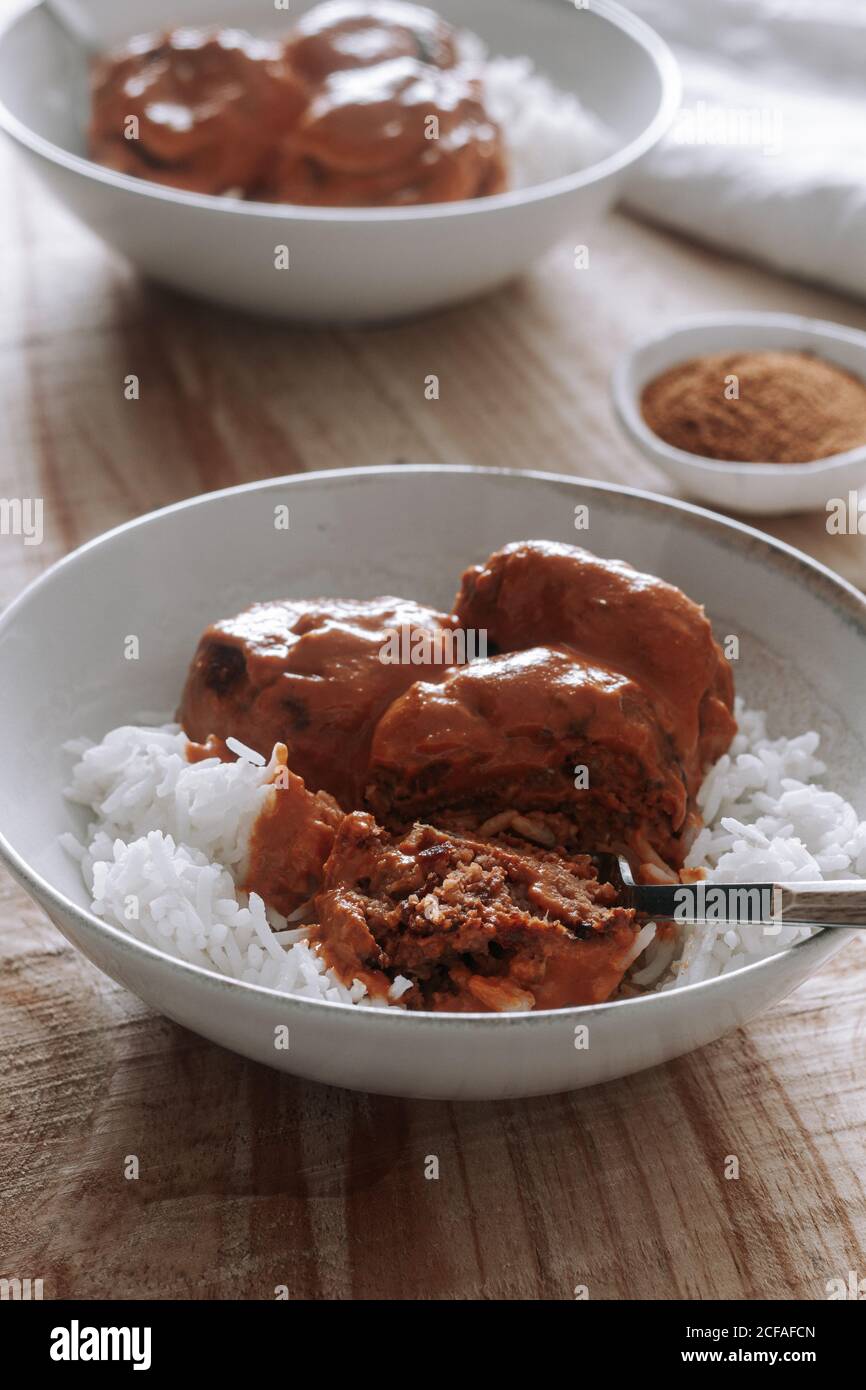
point(768, 156)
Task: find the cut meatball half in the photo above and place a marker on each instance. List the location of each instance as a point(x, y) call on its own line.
point(457, 923)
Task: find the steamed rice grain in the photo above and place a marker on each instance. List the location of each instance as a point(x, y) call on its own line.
point(549, 133)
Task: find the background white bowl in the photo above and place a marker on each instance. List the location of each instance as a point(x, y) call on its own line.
point(769, 489)
point(347, 265)
point(407, 531)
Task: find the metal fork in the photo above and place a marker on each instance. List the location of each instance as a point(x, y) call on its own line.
point(835, 903)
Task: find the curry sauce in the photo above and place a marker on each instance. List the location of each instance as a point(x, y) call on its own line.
point(359, 105)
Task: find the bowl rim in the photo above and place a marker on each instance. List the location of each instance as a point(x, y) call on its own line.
point(655, 48)
point(626, 398)
point(39, 887)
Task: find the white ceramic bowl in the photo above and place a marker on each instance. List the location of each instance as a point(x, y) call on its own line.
point(409, 531)
point(345, 265)
point(769, 489)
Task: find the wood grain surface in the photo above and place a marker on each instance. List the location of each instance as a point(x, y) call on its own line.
point(249, 1179)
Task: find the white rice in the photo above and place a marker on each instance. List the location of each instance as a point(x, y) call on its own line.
point(548, 133)
point(168, 842)
point(767, 819)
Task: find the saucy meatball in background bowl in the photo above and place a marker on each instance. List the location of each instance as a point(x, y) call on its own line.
point(314, 187)
point(203, 606)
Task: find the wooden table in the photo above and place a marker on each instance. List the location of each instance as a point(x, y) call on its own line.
point(250, 1179)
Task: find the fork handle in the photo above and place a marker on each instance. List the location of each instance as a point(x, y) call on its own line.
point(838, 903)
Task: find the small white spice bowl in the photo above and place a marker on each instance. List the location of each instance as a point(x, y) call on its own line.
point(770, 489)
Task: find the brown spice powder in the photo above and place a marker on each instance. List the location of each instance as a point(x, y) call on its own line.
point(785, 407)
